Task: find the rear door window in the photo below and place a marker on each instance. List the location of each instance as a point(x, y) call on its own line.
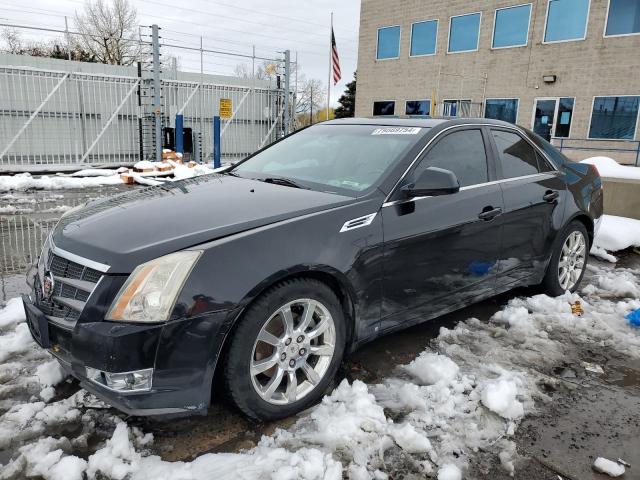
point(517, 157)
point(462, 152)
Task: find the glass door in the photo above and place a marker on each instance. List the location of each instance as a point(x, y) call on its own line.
point(543, 116)
point(552, 117)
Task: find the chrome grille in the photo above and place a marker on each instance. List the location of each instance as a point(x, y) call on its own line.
point(73, 283)
point(61, 267)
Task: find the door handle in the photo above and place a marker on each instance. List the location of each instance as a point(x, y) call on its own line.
point(550, 196)
point(489, 213)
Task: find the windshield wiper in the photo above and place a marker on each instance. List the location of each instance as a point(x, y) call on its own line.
point(283, 181)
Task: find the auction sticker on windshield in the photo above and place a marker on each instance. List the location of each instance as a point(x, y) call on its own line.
point(396, 131)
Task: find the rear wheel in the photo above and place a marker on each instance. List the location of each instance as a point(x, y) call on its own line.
point(569, 260)
point(286, 349)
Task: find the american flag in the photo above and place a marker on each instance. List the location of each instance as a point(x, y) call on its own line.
point(337, 75)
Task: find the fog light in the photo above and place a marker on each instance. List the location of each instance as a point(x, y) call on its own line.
point(136, 381)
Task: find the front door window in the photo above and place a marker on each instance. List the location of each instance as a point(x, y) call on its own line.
point(552, 117)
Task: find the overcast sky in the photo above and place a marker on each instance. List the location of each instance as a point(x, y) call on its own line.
point(229, 25)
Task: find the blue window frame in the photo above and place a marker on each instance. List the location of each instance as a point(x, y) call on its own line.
point(384, 108)
point(423, 38)
point(623, 17)
point(502, 109)
point(566, 20)
point(418, 107)
point(614, 117)
point(388, 43)
point(511, 27)
point(464, 31)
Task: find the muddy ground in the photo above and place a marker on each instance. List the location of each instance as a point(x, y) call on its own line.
point(589, 414)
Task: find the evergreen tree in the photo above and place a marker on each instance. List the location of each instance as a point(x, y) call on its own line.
point(347, 101)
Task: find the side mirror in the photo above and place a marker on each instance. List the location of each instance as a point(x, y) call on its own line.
point(433, 181)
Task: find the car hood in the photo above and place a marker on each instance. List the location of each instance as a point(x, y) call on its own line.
point(129, 229)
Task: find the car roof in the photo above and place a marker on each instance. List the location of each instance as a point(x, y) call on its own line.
point(424, 122)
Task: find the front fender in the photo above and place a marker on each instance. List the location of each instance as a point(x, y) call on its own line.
point(234, 270)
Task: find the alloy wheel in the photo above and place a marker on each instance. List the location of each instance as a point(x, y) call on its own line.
point(293, 351)
point(572, 260)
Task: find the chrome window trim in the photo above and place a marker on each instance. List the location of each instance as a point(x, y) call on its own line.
point(101, 267)
point(478, 185)
point(506, 127)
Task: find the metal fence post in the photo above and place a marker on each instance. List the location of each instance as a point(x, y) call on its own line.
point(179, 133)
point(287, 76)
point(216, 142)
point(157, 96)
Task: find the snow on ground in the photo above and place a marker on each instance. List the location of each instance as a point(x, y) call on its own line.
point(612, 469)
point(609, 168)
point(616, 233)
point(95, 177)
point(25, 181)
point(466, 393)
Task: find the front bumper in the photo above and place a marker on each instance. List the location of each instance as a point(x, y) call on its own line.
point(183, 354)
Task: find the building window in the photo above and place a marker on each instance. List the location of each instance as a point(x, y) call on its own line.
point(418, 107)
point(384, 108)
point(423, 38)
point(623, 17)
point(614, 117)
point(566, 20)
point(456, 108)
point(511, 26)
point(388, 43)
point(464, 31)
point(502, 109)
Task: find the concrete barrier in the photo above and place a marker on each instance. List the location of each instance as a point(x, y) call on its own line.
point(622, 197)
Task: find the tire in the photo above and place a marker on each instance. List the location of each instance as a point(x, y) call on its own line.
point(552, 284)
point(252, 350)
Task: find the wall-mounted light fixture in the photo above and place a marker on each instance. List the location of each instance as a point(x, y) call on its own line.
point(549, 78)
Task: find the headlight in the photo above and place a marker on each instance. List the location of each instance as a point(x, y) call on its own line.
point(150, 292)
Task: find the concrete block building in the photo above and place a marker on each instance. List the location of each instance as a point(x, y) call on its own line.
point(567, 69)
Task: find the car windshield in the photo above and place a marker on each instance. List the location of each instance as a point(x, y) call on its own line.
point(347, 159)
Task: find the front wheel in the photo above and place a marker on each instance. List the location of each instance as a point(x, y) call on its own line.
point(569, 260)
point(286, 349)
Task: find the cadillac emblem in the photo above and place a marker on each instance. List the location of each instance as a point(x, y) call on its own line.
point(47, 286)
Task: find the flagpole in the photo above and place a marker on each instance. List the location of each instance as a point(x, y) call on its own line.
point(330, 65)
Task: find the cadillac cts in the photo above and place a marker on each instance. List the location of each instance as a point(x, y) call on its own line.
point(255, 282)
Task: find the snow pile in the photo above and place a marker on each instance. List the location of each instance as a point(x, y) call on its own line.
point(25, 181)
point(612, 469)
point(466, 394)
point(617, 233)
point(431, 368)
point(609, 168)
point(499, 396)
point(94, 172)
point(449, 472)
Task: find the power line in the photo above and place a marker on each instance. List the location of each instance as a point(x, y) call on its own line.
point(216, 39)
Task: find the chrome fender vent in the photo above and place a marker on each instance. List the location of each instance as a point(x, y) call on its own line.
point(358, 222)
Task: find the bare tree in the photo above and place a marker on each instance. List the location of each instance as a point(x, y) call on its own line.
point(241, 70)
point(265, 71)
point(109, 31)
point(13, 42)
point(310, 100)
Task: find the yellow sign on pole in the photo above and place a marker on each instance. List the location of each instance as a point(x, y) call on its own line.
point(226, 108)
